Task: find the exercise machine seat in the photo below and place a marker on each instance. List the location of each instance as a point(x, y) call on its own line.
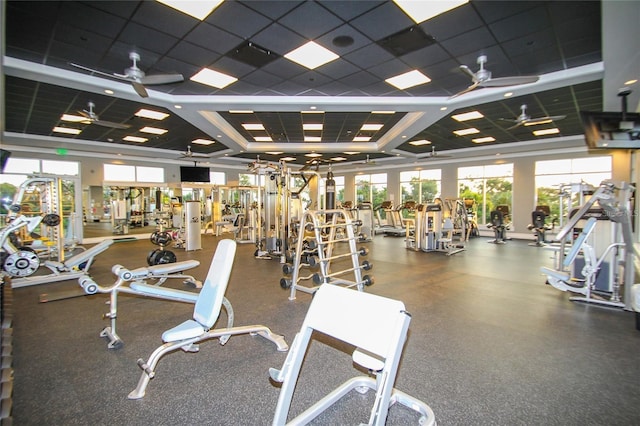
point(377, 327)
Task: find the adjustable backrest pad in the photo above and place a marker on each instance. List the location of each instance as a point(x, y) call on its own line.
point(367, 321)
point(210, 298)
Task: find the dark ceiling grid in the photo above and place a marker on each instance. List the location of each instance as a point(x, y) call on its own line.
point(518, 37)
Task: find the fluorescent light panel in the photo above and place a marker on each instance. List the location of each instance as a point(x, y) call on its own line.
point(311, 55)
point(535, 123)
point(408, 79)
point(288, 159)
point(203, 141)
point(362, 139)
point(383, 112)
point(198, 9)
point(67, 130)
point(471, 115)
point(153, 130)
point(274, 152)
point(464, 132)
point(263, 139)
point(420, 142)
point(240, 111)
point(312, 126)
point(371, 127)
point(213, 78)
point(154, 115)
point(351, 152)
point(544, 132)
point(312, 139)
point(338, 159)
point(313, 111)
point(483, 140)
point(134, 139)
point(313, 155)
point(420, 11)
point(74, 118)
point(253, 126)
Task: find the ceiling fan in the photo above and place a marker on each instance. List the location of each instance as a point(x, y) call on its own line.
point(92, 118)
point(482, 78)
point(434, 154)
point(190, 154)
point(526, 120)
point(368, 161)
point(136, 76)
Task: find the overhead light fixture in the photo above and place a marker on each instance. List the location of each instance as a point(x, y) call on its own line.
point(408, 79)
point(535, 123)
point(351, 152)
point(311, 55)
point(383, 112)
point(464, 132)
point(471, 115)
point(544, 132)
point(274, 152)
point(153, 130)
point(421, 11)
point(240, 111)
point(74, 118)
point(337, 159)
point(420, 142)
point(484, 140)
point(197, 9)
point(263, 139)
point(203, 141)
point(134, 139)
point(288, 159)
point(67, 130)
point(154, 115)
point(312, 126)
point(109, 91)
point(312, 139)
point(213, 78)
point(253, 126)
point(313, 155)
point(313, 111)
point(362, 139)
point(371, 127)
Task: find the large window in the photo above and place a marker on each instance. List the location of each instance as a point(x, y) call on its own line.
point(421, 186)
point(122, 173)
point(217, 178)
point(490, 187)
point(560, 183)
point(372, 188)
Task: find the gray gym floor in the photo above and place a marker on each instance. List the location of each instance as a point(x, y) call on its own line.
point(489, 344)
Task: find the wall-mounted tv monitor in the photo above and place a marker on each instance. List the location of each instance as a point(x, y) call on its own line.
point(194, 174)
point(4, 157)
point(611, 130)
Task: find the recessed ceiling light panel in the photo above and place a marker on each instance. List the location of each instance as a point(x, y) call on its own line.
point(154, 115)
point(134, 139)
point(197, 9)
point(471, 115)
point(484, 140)
point(73, 118)
point(420, 142)
point(545, 132)
point(253, 126)
point(67, 130)
point(311, 55)
point(371, 127)
point(464, 132)
point(263, 139)
point(153, 130)
point(408, 79)
point(312, 139)
point(362, 139)
point(203, 141)
point(421, 11)
point(213, 78)
point(312, 126)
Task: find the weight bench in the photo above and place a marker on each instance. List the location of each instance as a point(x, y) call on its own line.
point(75, 266)
point(187, 335)
point(134, 282)
point(377, 327)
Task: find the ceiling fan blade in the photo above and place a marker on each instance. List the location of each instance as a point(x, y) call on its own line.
point(509, 81)
point(105, 74)
point(110, 124)
point(139, 88)
point(518, 124)
point(85, 114)
point(467, 90)
point(465, 69)
point(151, 80)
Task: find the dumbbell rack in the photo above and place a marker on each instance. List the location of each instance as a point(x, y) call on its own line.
point(315, 246)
